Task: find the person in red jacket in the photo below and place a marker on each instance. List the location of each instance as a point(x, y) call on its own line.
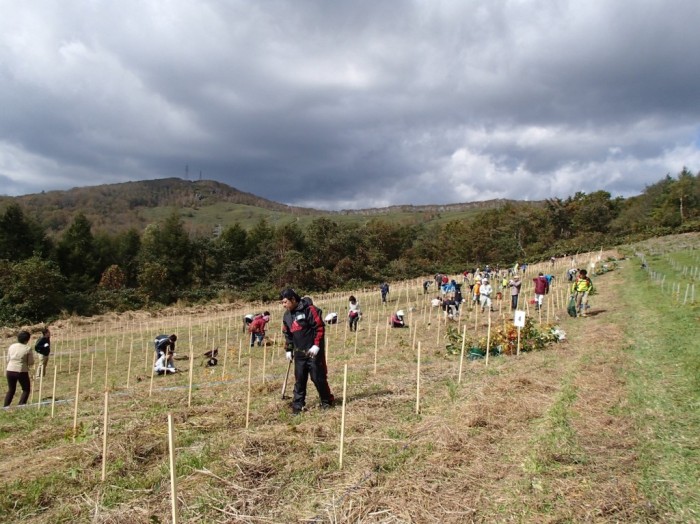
point(541, 289)
point(257, 328)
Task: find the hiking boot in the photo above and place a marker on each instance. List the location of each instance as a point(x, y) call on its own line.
point(296, 411)
point(326, 406)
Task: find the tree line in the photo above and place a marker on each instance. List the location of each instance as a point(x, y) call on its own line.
point(88, 272)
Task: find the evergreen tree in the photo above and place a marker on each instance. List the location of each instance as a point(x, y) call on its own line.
point(32, 291)
point(77, 255)
point(20, 237)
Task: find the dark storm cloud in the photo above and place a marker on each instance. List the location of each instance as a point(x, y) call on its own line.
point(351, 104)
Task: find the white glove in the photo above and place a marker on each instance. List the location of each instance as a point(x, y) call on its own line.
point(289, 356)
point(313, 351)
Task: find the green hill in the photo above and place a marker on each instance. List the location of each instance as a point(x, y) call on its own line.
point(203, 205)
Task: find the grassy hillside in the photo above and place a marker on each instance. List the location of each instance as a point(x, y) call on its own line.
point(203, 205)
point(601, 428)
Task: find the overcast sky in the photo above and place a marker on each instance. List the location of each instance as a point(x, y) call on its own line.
point(351, 104)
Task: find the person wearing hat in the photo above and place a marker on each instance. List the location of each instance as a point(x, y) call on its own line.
point(515, 285)
point(580, 290)
point(476, 290)
point(541, 289)
point(485, 294)
point(397, 319)
point(304, 333)
point(257, 328)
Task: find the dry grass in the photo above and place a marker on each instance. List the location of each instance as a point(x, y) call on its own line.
point(539, 438)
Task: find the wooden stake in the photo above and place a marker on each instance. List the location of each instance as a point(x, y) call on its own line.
point(415, 331)
point(342, 417)
point(189, 387)
point(247, 404)
point(263, 366)
point(356, 331)
point(223, 366)
point(128, 369)
point(376, 347)
point(418, 380)
point(104, 436)
point(53, 394)
point(461, 355)
point(41, 384)
point(386, 334)
point(150, 387)
point(75, 409)
point(518, 349)
point(488, 341)
point(173, 473)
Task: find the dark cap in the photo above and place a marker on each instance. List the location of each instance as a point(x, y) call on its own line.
point(290, 294)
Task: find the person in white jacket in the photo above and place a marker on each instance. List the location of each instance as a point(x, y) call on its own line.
point(354, 313)
point(485, 292)
point(19, 358)
point(164, 364)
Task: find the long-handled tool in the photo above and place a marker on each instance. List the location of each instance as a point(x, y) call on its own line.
point(284, 385)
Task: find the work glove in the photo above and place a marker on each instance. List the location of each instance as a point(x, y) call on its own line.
point(289, 356)
point(313, 351)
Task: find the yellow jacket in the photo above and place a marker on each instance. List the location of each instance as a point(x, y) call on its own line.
point(581, 285)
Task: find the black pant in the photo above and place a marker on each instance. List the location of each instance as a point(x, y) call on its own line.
point(514, 301)
point(12, 378)
point(353, 322)
point(316, 367)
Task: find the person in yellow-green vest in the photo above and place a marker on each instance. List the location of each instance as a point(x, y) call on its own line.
point(580, 289)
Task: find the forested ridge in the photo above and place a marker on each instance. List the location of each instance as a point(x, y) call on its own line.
point(91, 250)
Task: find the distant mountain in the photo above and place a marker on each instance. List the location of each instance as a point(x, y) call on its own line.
point(203, 205)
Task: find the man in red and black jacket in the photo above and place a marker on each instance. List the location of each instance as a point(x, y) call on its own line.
point(304, 331)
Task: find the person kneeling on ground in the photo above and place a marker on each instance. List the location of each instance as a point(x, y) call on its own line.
point(164, 364)
point(397, 319)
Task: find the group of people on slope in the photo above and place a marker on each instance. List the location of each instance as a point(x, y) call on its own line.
point(303, 328)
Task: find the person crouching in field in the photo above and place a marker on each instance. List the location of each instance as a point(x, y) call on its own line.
point(397, 320)
point(19, 358)
point(257, 328)
point(164, 344)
